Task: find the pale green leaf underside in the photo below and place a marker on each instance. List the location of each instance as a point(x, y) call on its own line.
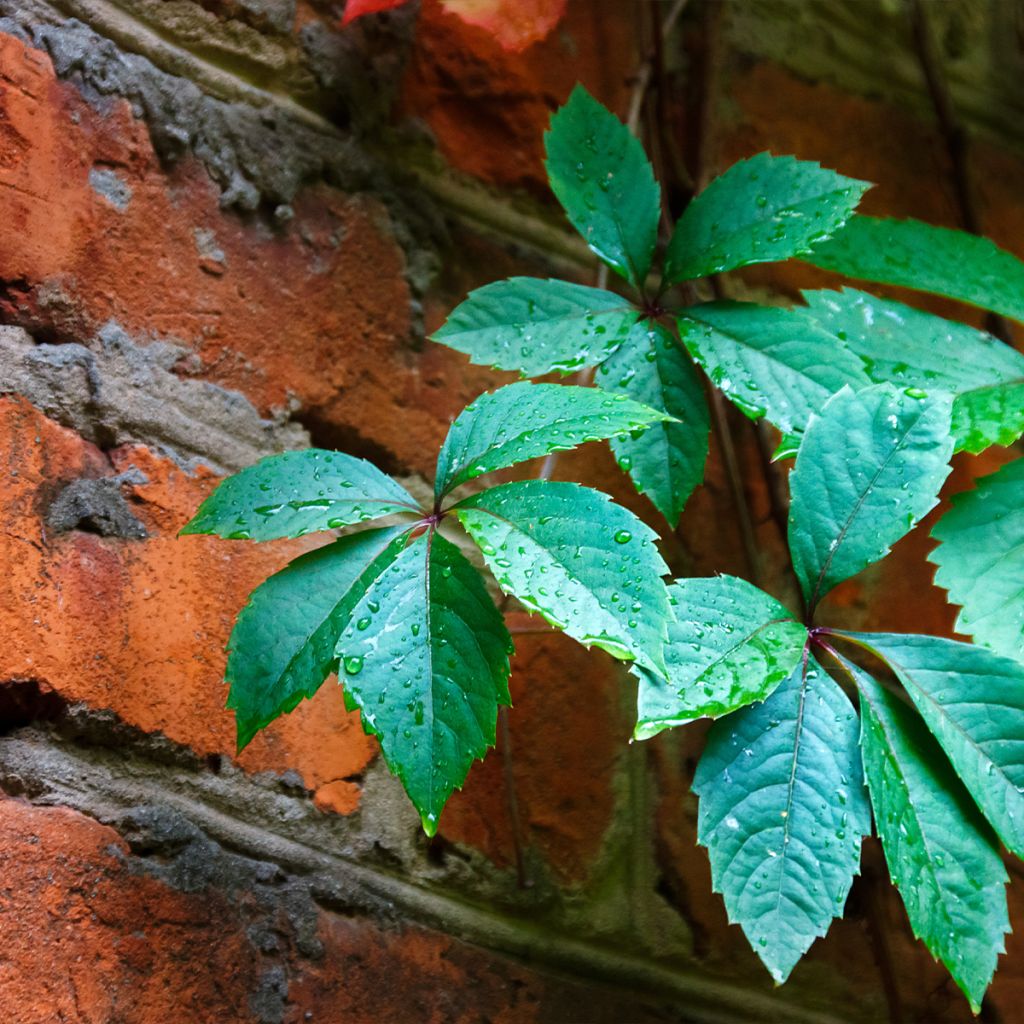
point(282, 646)
point(731, 644)
point(981, 560)
point(927, 258)
point(665, 461)
point(587, 565)
point(761, 209)
point(424, 658)
point(536, 327)
point(973, 702)
point(782, 812)
point(295, 493)
point(912, 349)
point(869, 468)
point(523, 421)
point(769, 361)
point(605, 183)
point(941, 853)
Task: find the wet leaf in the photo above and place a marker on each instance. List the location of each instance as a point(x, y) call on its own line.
point(604, 181)
point(931, 259)
point(587, 565)
point(912, 349)
point(296, 493)
point(731, 644)
point(523, 421)
point(282, 646)
point(942, 855)
point(981, 559)
point(782, 813)
point(665, 461)
point(762, 209)
point(869, 468)
point(424, 658)
point(536, 327)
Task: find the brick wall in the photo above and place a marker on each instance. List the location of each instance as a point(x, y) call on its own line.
point(225, 227)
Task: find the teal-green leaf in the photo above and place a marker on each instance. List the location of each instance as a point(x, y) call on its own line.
point(587, 565)
point(731, 644)
point(666, 461)
point(973, 702)
point(761, 209)
point(769, 361)
point(915, 255)
point(869, 468)
point(605, 183)
point(424, 658)
point(909, 348)
point(299, 492)
point(941, 853)
point(783, 812)
point(522, 421)
point(536, 326)
point(282, 646)
point(981, 559)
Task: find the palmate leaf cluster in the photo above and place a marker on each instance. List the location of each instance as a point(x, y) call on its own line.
point(819, 735)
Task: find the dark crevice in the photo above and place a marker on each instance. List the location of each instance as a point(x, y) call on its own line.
point(324, 433)
point(27, 701)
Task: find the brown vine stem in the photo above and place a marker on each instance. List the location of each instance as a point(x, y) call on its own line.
point(954, 134)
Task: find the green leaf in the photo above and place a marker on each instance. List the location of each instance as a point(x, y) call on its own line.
point(536, 326)
point(604, 181)
point(869, 468)
point(585, 564)
point(973, 702)
point(299, 492)
point(782, 813)
point(941, 853)
point(282, 646)
point(770, 362)
point(981, 559)
point(731, 644)
point(424, 658)
point(909, 253)
point(521, 421)
point(908, 348)
point(666, 461)
point(762, 209)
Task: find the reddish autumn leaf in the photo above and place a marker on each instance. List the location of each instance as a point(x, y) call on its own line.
point(514, 23)
point(357, 8)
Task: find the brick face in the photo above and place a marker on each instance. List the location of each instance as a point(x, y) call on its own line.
point(218, 249)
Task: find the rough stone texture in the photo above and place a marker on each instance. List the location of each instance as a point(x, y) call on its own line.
point(227, 225)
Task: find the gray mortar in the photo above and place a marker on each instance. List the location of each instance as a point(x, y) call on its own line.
point(97, 506)
point(111, 186)
point(118, 391)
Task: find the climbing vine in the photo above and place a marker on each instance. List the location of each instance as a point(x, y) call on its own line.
point(821, 734)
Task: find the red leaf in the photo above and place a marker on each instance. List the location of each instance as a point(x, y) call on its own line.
point(514, 23)
point(357, 8)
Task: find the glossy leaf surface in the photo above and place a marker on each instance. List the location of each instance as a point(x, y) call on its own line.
point(282, 646)
point(731, 644)
point(522, 421)
point(295, 493)
point(762, 209)
point(587, 565)
point(665, 461)
point(941, 853)
point(604, 181)
point(770, 362)
point(536, 326)
point(869, 468)
point(981, 559)
point(973, 702)
point(912, 349)
point(782, 812)
point(929, 258)
point(424, 658)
